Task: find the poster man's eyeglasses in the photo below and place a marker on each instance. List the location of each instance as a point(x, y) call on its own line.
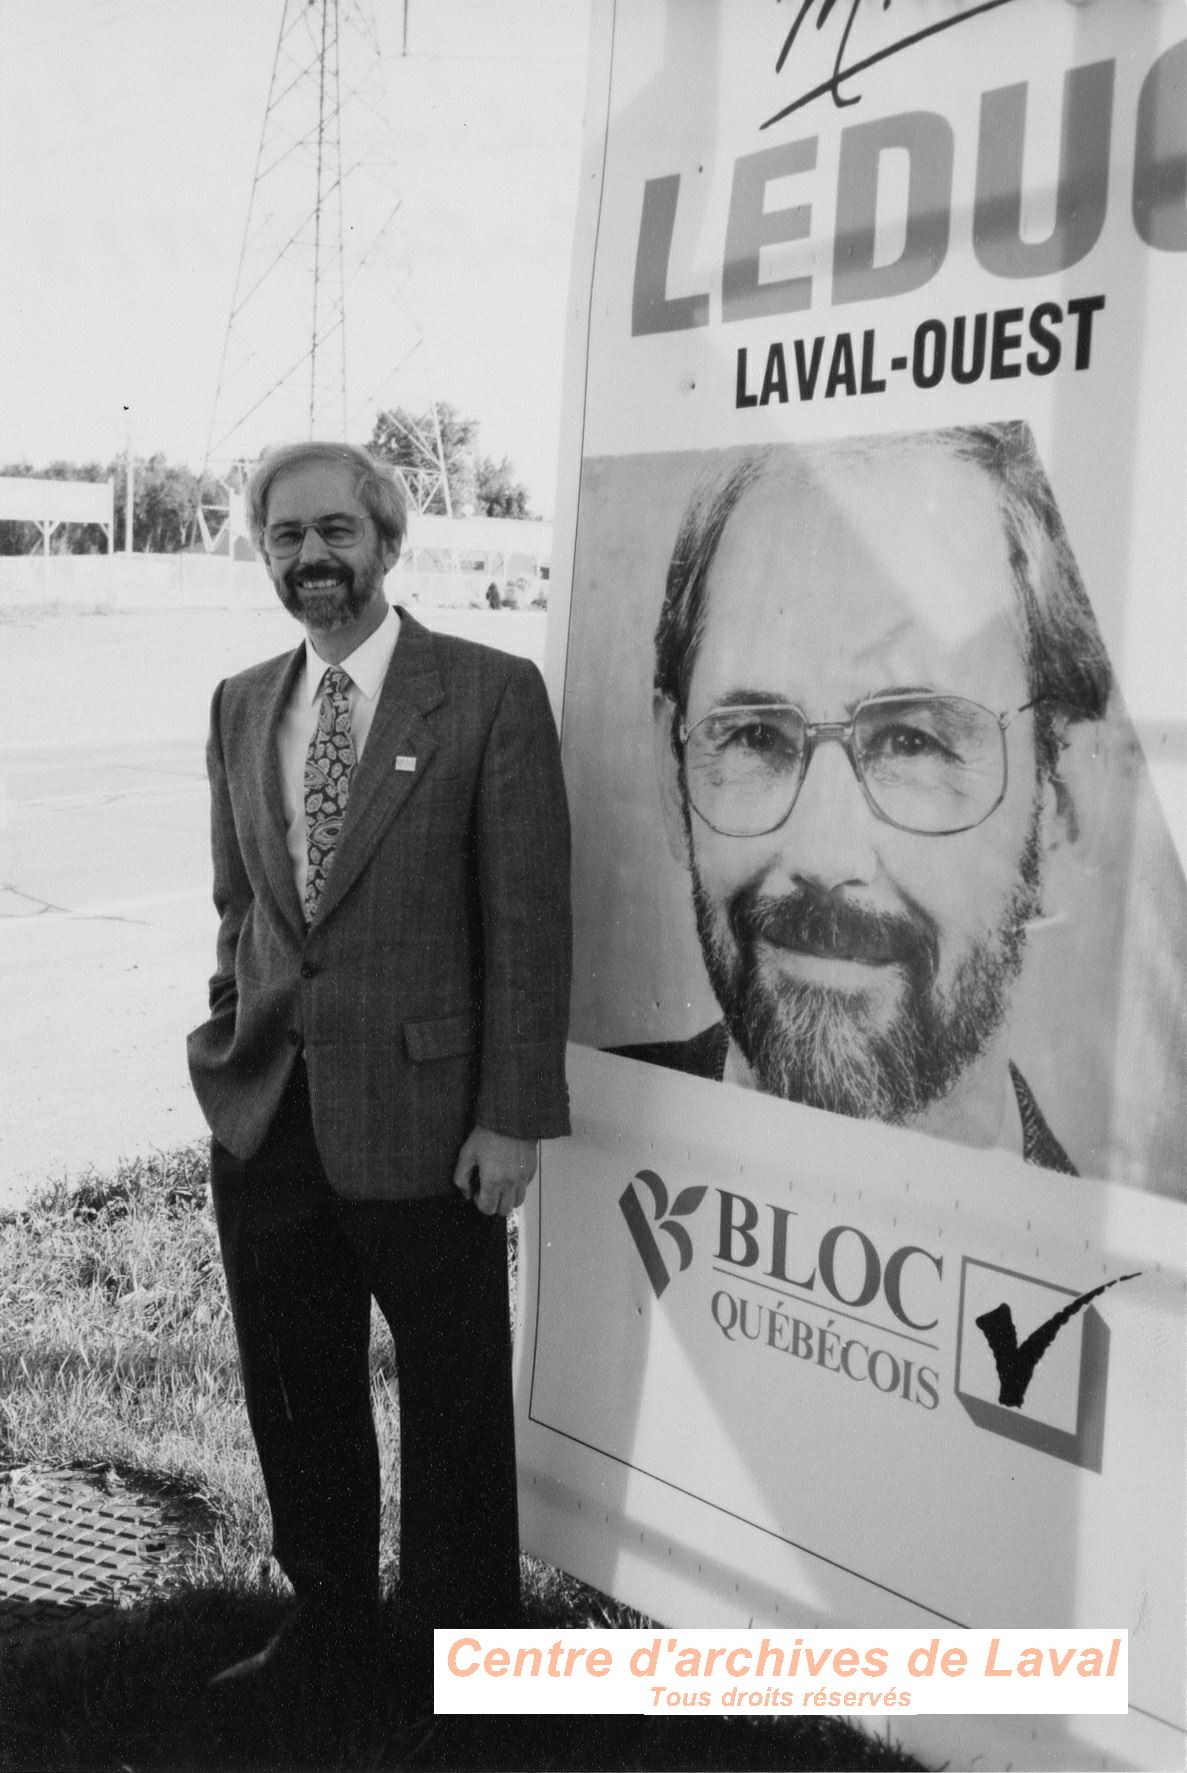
point(929, 764)
point(285, 539)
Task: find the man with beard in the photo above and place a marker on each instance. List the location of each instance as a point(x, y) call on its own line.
point(868, 662)
point(385, 1046)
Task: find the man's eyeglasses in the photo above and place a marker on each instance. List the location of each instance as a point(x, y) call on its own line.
point(930, 764)
point(338, 531)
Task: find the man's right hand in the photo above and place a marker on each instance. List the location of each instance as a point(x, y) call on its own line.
point(494, 1170)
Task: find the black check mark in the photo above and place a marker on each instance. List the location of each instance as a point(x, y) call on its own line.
point(1015, 1365)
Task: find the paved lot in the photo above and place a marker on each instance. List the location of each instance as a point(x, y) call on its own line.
point(106, 925)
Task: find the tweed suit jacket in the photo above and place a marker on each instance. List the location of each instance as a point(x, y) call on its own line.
point(430, 991)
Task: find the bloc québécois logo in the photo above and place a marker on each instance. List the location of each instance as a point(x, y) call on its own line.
point(1031, 1356)
point(666, 1219)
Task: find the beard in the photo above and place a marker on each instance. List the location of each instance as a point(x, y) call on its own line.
point(336, 607)
point(847, 1051)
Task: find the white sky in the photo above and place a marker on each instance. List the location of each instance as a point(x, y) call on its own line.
point(128, 139)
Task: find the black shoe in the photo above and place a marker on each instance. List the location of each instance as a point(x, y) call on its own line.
point(331, 1647)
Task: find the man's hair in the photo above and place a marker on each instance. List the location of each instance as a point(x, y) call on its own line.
point(1066, 665)
point(377, 485)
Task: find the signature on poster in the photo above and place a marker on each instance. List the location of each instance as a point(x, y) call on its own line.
point(844, 68)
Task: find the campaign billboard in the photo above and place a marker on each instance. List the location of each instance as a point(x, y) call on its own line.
point(867, 641)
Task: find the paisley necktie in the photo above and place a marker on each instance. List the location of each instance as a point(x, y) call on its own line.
point(329, 765)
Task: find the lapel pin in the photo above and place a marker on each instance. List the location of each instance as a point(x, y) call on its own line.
point(405, 763)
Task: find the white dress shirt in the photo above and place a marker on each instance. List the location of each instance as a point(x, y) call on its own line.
point(366, 667)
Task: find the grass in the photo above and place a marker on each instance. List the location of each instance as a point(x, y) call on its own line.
point(116, 1350)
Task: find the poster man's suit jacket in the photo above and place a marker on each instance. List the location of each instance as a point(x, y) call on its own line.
point(430, 992)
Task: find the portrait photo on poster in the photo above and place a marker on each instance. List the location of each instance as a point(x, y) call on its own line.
point(861, 819)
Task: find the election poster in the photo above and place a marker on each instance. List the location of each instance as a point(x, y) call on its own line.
point(868, 646)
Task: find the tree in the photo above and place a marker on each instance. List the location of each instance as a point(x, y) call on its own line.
point(498, 494)
point(165, 499)
point(477, 484)
point(166, 495)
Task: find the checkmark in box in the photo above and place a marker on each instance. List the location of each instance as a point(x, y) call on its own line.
point(1063, 1409)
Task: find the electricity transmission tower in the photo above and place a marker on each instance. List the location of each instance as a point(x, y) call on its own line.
point(322, 331)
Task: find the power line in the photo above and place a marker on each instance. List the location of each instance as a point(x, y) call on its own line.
point(112, 23)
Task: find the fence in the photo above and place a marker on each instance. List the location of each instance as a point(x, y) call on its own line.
point(194, 581)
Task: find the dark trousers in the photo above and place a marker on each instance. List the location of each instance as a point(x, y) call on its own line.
point(302, 1265)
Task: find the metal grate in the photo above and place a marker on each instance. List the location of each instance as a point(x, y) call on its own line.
point(75, 1545)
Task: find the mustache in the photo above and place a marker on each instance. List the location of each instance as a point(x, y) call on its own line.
point(812, 921)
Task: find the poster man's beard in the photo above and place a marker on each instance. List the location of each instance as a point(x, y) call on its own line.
point(844, 1051)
